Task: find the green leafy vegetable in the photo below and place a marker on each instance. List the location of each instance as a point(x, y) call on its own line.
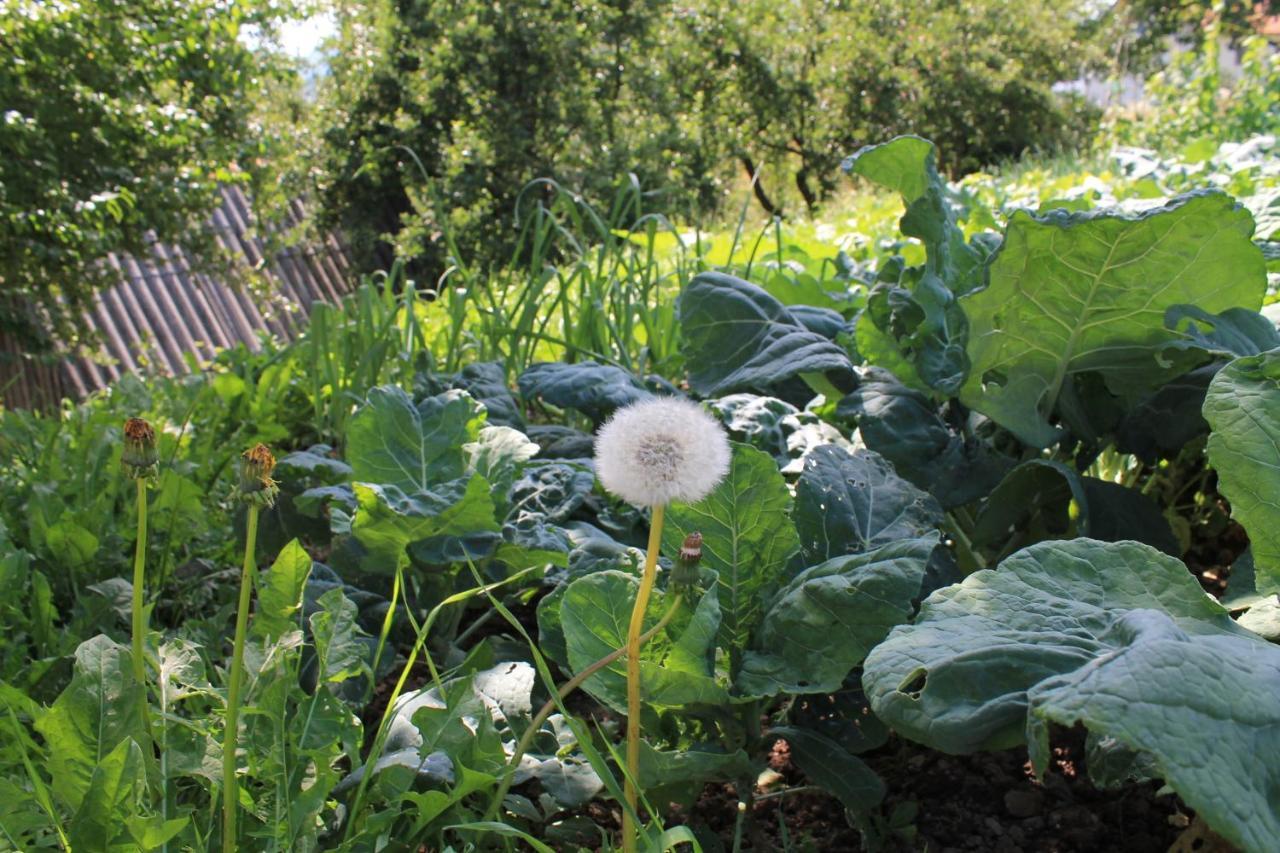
point(675, 668)
point(850, 503)
point(957, 679)
point(747, 538)
point(739, 338)
point(1076, 293)
point(1243, 408)
point(591, 388)
point(1204, 730)
point(393, 442)
point(921, 325)
point(822, 623)
point(101, 708)
point(387, 520)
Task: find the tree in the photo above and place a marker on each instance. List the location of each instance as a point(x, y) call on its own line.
point(440, 112)
point(121, 118)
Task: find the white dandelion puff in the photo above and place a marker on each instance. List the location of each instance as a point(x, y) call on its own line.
point(656, 451)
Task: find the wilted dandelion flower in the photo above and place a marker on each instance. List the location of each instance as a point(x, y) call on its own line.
point(656, 451)
point(256, 485)
point(140, 458)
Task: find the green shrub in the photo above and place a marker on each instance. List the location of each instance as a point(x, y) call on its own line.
point(438, 115)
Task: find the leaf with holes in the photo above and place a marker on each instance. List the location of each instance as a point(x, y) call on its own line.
point(957, 679)
point(849, 503)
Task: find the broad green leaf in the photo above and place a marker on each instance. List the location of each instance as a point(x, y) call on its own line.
point(99, 709)
point(486, 381)
point(112, 816)
point(878, 347)
point(739, 338)
point(822, 623)
point(850, 503)
point(932, 341)
point(830, 766)
point(1234, 332)
point(551, 491)
point(337, 638)
point(903, 426)
point(497, 455)
point(660, 768)
point(561, 442)
point(592, 554)
point(314, 465)
point(1243, 410)
point(591, 388)
point(181, 672)
point(280, 593)
point(391, 441)
point(70, 545)
point(747, 538)
point(387, 520)
point(109, 801)
point(1076, 293)
point(1207, 731)
point(1165, 421)
point(761, 422)
point(957, 679)
point(906, 165)
point(594, 616)
point(1044, 499)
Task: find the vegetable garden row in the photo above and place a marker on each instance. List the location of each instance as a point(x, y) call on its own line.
point(359, 594)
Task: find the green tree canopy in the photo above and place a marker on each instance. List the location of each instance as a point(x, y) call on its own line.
point(438, 114)
point(120, 118)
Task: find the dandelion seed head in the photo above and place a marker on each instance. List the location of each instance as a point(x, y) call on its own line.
point(656, 451)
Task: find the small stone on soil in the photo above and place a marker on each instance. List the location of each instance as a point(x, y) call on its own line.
point(1023, 803)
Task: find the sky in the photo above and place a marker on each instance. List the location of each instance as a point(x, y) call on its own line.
point(302, 39)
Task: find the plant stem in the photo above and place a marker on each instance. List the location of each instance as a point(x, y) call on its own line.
point(139, 626)
point(633, 678)
point(230, 798)
point(386, 622)
point(567, 688)
point(379, 740)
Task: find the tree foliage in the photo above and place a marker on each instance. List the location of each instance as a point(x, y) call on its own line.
point(439, 114)
point(120, 120)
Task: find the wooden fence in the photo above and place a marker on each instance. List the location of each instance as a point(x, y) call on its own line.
point(164, 314)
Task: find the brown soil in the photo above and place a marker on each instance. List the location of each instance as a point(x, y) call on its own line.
point(984, 802)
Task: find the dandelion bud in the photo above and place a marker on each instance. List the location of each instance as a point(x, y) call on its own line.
point(140, 458)
point(656, 451)
point(256, 486)
point(685, 573)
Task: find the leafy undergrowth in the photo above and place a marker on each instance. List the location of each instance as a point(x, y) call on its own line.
point(968, 471)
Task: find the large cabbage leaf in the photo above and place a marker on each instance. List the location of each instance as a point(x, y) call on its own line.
point(1115, 635)
point(1076, 293)
point(1243, 409)
point(739, 338)
point(747, 534)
